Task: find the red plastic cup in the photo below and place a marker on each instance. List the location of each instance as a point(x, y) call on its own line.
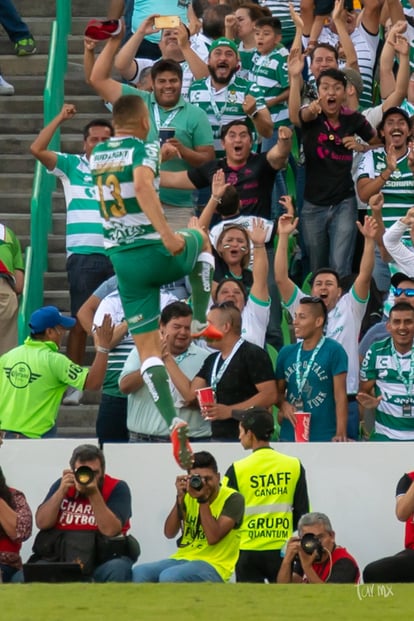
point(205, 396)
point(302, 426)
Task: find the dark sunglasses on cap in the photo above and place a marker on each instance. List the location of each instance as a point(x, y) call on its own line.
point(408, 292)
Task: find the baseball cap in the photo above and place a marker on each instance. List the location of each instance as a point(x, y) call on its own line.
point(223, 41)
point(49, 317)
point(354, 78)
point(399, 277)
point(256, 419)
point(394, 110)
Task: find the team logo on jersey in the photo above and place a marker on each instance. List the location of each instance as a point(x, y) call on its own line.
point(232, 97)
point(20, 375)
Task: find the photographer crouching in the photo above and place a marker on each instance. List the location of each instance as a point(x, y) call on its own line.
point(84, 519)
point(209, 518)
point(314, 557)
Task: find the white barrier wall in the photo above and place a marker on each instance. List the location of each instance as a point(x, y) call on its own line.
point(354, 484)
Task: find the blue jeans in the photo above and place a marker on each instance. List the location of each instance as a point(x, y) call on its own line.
point(116, 570)
point(7, 572)
point(111, 421)
point(12, 22)
point(172, 570)
point(381, 273)
point(329, 234)
point(85, 273)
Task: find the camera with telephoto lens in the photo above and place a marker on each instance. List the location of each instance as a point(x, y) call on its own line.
point(196, 482)
point(84, 475)
point(310, 544)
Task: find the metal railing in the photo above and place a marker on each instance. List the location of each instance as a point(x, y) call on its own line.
point(36, 256)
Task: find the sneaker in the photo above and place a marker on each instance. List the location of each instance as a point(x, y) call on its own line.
point(209, 332)
point(72, 396)
point(5, 87)
point(25, 47)
point(182, 451)
point(99, 30)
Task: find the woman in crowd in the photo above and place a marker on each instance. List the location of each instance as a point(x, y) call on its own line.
point(15, 527)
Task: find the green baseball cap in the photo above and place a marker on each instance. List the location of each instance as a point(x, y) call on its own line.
point(222, 41)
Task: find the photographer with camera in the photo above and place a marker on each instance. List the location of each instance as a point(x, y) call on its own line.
point(313, 557)
point(85, 517)
point(209, 518)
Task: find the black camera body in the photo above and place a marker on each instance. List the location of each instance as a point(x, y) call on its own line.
point(84, 475)
point(310, 543)
point(196, 482)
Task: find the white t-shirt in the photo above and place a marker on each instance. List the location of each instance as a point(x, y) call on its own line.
point(255, 317)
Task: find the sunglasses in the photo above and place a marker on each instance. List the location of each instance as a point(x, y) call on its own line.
point(408, 292)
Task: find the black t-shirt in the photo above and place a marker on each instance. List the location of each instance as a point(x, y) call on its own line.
point(249, 366)
point(253, 181)
point(221, 272)
point(328, 162)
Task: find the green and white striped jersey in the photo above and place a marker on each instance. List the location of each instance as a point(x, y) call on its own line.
point(380, 364)
point(224, 105)
point(84, 233)
point(270, 73)
point(112, 165)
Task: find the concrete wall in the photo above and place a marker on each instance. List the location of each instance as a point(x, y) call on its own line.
point(354, 484)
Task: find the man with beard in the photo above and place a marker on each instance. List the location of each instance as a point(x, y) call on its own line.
point(225, 97)
point(78, 516)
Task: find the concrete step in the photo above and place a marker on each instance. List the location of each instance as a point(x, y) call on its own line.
point(19, 202)
point(46, 8)
point(23, 181)
point(85, 104)
point(57, 261)
point(33, 123)
point(18, 222)
point(77, 421)
point(16, 163)
point(56, 243)
point(26, 65)
point(75, 43)
point(57, 298)
point(55, 281)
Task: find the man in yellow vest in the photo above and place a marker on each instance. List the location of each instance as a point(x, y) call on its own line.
point(275, 491)
point(209, 518)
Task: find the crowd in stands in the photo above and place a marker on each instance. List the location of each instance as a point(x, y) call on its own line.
point(244, 224)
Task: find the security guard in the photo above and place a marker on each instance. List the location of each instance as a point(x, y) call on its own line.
point(275, 491)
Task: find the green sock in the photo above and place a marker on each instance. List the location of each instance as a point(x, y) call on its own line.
point(201, 278)
point(155, 376)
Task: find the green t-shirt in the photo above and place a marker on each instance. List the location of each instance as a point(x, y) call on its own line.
point(33, 379)
point(10, 250)
point(112, 165)
point(192, 129)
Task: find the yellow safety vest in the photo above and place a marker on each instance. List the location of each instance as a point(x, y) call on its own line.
point(267, 479)
point(194, 545)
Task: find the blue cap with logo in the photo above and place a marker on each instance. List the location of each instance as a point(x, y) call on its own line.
point(49, 317)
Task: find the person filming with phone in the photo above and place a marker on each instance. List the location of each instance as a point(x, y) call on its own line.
point(314, 557)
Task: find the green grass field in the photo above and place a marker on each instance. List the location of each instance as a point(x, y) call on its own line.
point(205, 602)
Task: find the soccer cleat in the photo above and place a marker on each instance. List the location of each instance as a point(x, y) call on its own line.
point(182, 451)
point(100, 30)
point(25, 47)
point(210, 333)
